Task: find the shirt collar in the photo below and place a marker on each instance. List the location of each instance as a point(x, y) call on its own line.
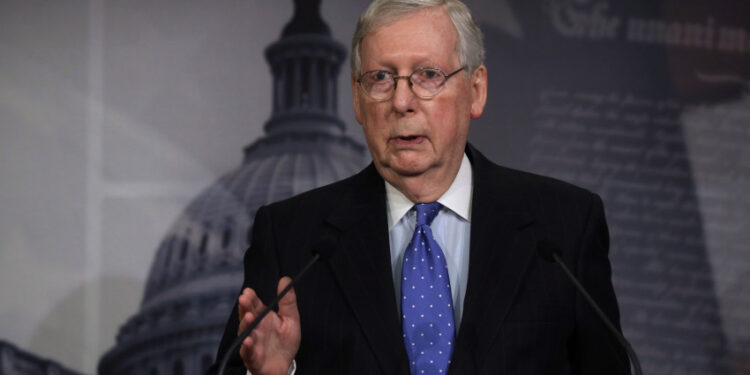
point(457, 198)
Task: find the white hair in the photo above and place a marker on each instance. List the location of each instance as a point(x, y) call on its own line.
point(469, 46)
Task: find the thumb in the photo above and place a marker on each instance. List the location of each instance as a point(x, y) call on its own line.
point(288, 303)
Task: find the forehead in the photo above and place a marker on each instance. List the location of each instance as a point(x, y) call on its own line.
point(424, 36)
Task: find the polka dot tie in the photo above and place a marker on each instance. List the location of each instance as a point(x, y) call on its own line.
point(426, 302)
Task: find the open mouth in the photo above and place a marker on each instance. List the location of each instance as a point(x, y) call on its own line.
point(409, 139)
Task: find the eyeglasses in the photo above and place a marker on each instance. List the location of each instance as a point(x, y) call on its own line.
point(425, 83)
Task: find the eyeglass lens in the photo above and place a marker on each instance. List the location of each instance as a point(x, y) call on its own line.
point(381, 84)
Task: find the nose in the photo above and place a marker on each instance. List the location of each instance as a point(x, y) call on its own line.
point(403, 97)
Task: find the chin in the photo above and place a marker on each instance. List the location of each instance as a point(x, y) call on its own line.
point(410, 167)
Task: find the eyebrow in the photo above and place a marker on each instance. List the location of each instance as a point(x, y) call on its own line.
point(423, 63)
point(428, 64)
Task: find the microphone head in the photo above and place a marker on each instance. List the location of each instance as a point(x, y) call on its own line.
point(546, 249)
point(325, 246)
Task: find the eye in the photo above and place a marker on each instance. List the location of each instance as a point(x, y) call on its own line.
point(380, 75)
point(430, 74)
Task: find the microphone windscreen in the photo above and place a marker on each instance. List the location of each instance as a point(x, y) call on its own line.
point(546, 249)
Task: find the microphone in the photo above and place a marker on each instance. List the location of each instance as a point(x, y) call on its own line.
point(548, 251)
point(322, 250)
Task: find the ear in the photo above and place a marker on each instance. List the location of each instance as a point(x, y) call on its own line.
point(356, 99)
point(478, 91)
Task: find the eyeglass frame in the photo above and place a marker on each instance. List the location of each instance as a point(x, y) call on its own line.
point(408, 79)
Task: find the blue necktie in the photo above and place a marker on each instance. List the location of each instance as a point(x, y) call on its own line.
point(426, 299)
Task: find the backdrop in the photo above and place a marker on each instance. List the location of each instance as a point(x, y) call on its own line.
point(118, 118)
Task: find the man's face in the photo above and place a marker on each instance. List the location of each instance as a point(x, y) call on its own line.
point(409, 136)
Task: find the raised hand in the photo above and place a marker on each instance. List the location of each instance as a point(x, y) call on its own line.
point(271, 347)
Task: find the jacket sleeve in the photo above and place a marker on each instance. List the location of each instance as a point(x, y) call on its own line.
point(261, 274)
point(595, 350)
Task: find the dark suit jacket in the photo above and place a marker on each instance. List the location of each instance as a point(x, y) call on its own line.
point(521, 315)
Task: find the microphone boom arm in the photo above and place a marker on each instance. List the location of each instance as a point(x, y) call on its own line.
point(238, 341)
point(625, 344)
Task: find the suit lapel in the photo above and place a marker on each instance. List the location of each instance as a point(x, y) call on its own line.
point(500, 251)
point(362, 267)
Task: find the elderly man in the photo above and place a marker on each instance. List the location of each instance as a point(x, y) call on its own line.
point(435, 267)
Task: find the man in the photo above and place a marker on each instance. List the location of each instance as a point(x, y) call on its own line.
point(415, 286)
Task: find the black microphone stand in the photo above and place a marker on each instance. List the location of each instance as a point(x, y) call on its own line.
point(238, 341)
point(547, 251)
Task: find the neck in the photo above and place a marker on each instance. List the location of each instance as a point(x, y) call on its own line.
point(425, 187)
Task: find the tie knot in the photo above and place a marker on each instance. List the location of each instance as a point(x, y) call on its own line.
point(426, 212)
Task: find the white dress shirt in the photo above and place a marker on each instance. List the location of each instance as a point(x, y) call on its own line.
point(451, 228)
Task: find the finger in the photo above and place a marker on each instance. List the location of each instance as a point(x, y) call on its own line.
point(288, 303)
point(243, 303)
point(249, 302)
point(255, 352)
point(255, 305)
point(245, 322)
point(259, 334)
point(246, 352)
point(252, 346)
